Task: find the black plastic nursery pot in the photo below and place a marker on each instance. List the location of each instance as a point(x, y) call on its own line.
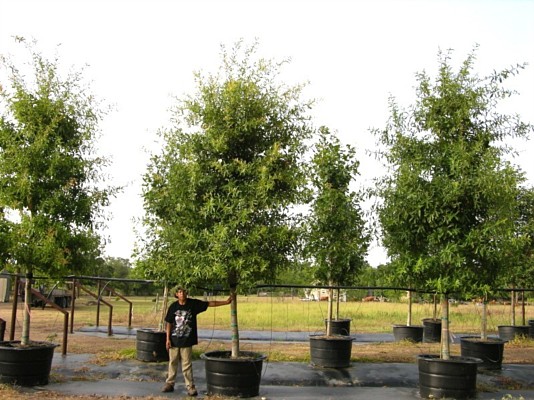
point(510, 332)
point(432, 330)
point(234, 377)
point(455, 378)
point(330, 351)
point(489, 351)
point(26, 365)
point(412, 333)
point(150, 345)
point(340, 326)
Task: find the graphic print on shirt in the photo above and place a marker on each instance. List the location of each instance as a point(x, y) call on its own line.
point(182, 323)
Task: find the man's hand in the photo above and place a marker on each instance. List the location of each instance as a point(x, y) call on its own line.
point(217, 303)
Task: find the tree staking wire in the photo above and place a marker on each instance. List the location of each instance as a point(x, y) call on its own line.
point(263, 286)
point(260, 286)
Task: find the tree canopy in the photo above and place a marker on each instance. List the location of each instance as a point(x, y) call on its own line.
point(49, 173)
point(522, 276)
point(449, 207)
point(219, 197)
point(337, 238)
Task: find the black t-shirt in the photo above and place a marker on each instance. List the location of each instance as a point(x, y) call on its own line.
point(184, 321)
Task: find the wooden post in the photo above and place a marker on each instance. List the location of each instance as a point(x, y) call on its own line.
point(164, 307)
point(98, 304)
point(14, 309)
point(72, 306)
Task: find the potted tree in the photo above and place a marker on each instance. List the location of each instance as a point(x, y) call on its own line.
point(406, 276)
point(219, 197)
point(49, 195)
point(403, 273)
point(409, 332)
point(521, 268)
point(449, 204)
point(150, 343)
point(337, 238)
point(488, 349)
point(525, 271)
point(432, 326)
point(516, 272)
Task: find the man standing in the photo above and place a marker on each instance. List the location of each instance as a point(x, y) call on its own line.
point(181, 328)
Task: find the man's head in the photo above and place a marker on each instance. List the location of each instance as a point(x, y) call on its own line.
point(180, 292)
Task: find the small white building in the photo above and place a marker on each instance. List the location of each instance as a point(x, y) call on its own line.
point(317, 294)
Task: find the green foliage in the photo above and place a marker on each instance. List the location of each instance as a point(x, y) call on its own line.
point(449, 206)
point(337, 237)
point(218, 198)
point(116, 267)
point(49, 196)
point(298, 274)
point(523, 273)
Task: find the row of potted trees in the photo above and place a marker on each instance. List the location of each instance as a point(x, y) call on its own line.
point(333, 350)
point(222, 197)
point(454, 217)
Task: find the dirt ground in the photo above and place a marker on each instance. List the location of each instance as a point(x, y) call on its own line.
point(113, 348)
point(45, 327)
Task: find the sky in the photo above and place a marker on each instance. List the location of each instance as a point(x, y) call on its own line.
point(141, 55)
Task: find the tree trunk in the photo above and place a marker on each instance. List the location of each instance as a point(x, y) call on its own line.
point(512, 305)
point(445, 344)
point(435, 311)
point(337, 304)
point(409, 319)
point(25, 338)
point(523, 319)
point(329, 313)
point(484, 330)
point(235, 328)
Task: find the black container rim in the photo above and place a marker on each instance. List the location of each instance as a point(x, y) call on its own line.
point(334, 336)
point(452, 359)
point(514, 326)
point(479, 339)
point(339, 320)
point(223, 355)
point(407, 326)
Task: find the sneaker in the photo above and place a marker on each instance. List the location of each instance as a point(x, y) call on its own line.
point(192, 391)
point(168, 388)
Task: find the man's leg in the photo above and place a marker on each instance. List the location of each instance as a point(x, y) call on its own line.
point(174, 358)
point(187, 369)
